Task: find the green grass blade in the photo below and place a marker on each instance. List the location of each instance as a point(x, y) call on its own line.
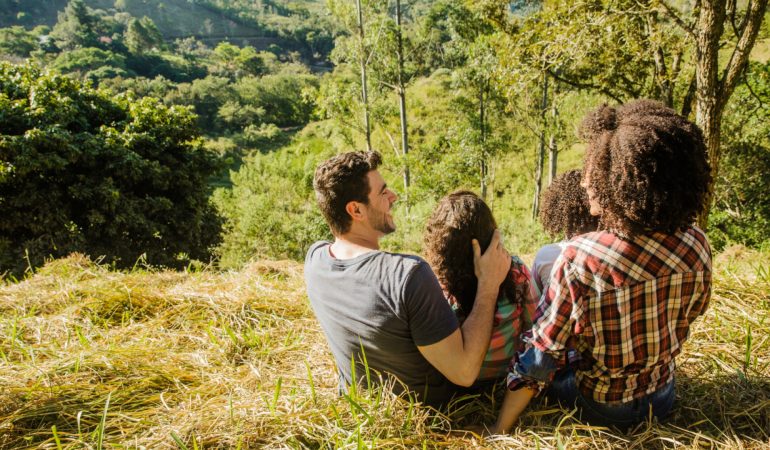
point(178, 441)
point(103, 423)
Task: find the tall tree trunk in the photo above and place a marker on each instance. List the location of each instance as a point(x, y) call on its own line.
point(540, 150)
point(482, 129)
point(713, 92)
point(364, 90)
point(553, 150)
point(707, 111)
point(402, 101)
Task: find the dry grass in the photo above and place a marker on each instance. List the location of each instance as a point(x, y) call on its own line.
point(91, 358)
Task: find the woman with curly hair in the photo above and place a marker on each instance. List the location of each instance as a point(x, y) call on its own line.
point(459, 218)
point(625, 297)
point(565, 214)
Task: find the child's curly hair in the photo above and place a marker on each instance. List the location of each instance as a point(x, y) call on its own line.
point(459, 218)
point(565, 209)
point(646, 166)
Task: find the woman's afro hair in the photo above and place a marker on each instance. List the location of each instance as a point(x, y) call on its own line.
point(565, 210)
point(646, 166)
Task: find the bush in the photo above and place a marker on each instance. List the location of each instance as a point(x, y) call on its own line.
point(259, 136)
point(741, 212)
point(88, 59)
point(270, 210)
point(174, 68)
point(81, 170)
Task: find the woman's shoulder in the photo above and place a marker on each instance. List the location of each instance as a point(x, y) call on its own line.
point(519, 269)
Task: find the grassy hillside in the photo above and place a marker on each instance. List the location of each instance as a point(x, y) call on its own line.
point(92, 358)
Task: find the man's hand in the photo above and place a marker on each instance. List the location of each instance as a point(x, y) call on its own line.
point(491, 267)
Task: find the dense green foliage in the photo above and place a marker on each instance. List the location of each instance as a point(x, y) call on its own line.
point(487, 84)
point(301, 25)
point(270, 210)
point(285, 26)
point(742, 213)
point(246, 95)
point(85, 171)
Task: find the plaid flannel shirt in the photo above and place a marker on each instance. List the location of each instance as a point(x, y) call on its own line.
point(626, 305)
point(511, 319)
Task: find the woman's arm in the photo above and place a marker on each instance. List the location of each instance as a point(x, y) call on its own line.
point(513, 404)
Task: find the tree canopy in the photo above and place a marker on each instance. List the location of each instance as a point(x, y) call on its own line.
point(83, 170)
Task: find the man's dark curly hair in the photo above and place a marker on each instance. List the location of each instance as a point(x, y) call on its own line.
point(565, 210)
point(459, 218)
point(340, 180)
point(646, 166)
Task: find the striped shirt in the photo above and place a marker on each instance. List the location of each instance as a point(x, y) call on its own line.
point(626, 305)
point(512, 317)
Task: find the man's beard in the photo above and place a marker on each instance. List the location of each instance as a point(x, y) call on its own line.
point(381, 224)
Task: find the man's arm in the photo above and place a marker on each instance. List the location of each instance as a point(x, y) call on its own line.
point(459, 355)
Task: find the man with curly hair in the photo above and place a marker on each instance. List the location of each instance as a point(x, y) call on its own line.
point(565, 214)
point(385, 312)
point(625, 297)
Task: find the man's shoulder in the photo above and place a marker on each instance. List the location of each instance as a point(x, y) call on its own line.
point(402, 258)
point(376, 264)
point(315, 253)
point(318, 245)
point(402, 267)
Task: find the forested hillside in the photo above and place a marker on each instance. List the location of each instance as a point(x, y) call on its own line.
point(491, 100)
point(292, 26)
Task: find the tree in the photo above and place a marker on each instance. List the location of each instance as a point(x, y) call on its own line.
point(355, 49)
point(714, 84)
point(17, 41)
point(631, 49)
point(75, 27)
point(142, 35)
point(474, 76)
point(83, 60)
point(83, 170)
point(742, 201)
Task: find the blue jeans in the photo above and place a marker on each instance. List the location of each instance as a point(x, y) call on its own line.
point(623, 415)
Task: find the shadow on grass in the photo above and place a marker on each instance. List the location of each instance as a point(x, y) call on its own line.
point(724, 407)
point(719, 411)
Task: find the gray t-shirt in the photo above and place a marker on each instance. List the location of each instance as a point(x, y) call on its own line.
point(387, 304)
point(541, 266)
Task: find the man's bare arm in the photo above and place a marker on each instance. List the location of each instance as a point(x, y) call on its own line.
point(459, 356)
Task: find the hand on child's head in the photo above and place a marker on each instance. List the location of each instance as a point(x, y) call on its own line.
point(494, 262)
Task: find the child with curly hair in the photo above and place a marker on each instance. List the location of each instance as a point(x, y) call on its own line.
point(626, 296)
point(565, 214)
point(459, 218)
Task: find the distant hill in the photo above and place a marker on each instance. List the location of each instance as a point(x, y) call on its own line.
point(174, 18)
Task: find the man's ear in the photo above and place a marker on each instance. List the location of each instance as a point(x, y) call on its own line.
point(355, 210)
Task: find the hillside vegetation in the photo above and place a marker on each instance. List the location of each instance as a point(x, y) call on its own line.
point(258, 24)
point(93, 358)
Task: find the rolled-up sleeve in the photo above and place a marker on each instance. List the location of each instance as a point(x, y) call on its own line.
point(558, 318)
point(532, 368)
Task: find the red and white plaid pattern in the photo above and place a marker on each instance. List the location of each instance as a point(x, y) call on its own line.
point(629, 304)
